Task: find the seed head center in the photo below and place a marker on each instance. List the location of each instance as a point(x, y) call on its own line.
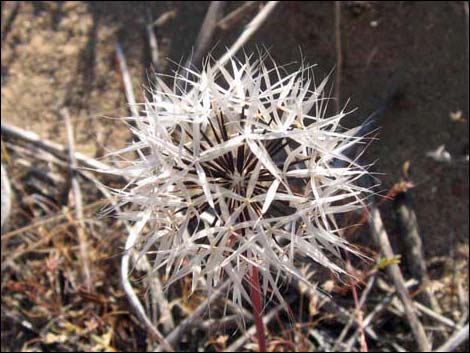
point(237, 180)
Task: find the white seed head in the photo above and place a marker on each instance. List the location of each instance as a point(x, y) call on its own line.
point(234, 170)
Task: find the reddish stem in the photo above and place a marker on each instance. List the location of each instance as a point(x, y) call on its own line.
point(360, 322)
point(257, 309)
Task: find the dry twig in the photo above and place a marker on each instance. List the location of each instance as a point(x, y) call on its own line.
point(6, 196)
point(133, 299)
point(153, 42)
point(204, 38)
point(382, 305)
point(413, 246)
point(378, 230)
point(250, 29)
point(132, 237)
point(364, 295)
point(53, 148)
point(164, 18)
point(339, 55)
point(77, 195)
point(455, 340)
point(176, 334)
point(236, 15)
point(126, 79)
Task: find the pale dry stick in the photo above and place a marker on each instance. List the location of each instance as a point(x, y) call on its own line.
point(378, 309)
point(153, 42)
point(463, 302)
point(53, 148)
point(133, 299)
point(164, 18)
point(77, 195)
point(340, 313)
point(6, 197)
point(364, 295)
point(236, 15)
point(414, 253)
point(378, 230)
point(455, 340)
point(50, 158)
point(157, 288)
point(358, 310)
point(322, 341)
point(252, 330)
point(189, 321)
point(142, 263)
point(339, 55)
point(436, 316)
point(249, 30)
point(204, 38)
point(126, 79)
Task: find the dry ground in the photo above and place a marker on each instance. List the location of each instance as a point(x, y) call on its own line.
point(57, 54)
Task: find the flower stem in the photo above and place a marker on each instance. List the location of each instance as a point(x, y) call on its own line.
point(257, 308)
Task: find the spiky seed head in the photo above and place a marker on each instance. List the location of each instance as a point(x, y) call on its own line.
point(234, 170)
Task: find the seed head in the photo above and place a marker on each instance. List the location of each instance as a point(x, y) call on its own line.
point(234, 170)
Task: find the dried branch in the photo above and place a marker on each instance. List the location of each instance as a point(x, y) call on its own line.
point(126, 79)
point(236, 15)
point(6, 197)
point(340, 313)
point(378, 230)
point(176, 334)
point(250, 29)
point(204, 38)
point(414, 254)
point(164, 18)
point(230, 321)
point(153, 44)
point(53, 148)
point(381, 306)
point(359, 306)
point(339, 55)
point(436, 316)
point(155, 286)
point(156, 291)
point(454, 341)
point(77, 195)
point(133, 299)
